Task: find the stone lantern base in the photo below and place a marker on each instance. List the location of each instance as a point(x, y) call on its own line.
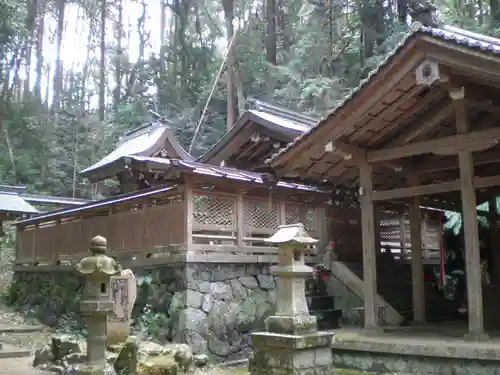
point(282, 354)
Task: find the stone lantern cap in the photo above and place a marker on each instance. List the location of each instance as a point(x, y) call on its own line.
point(292, 234)
point(98, 262)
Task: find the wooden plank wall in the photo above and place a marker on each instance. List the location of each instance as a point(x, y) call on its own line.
point(127, 231)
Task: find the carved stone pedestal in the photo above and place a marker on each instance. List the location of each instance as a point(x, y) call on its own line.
point(291, 354)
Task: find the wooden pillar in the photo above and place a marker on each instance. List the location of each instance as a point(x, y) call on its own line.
point(240, 219)
point(494, 267)
point(369, 246)
point(402, 231)
point(469, 214)
point(188, 210)
point(378, 216)
point(417, 268)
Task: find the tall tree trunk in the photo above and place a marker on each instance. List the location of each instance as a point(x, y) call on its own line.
point(47, 90)
point(271, 35)
point(141, 30)
point(30, 27)
point(161, 57)
point(38, 51)
point(229, 16)
point(86, 68)
point(102, 67)
point(118, 56)
point(495, 12)
point(174, 27)
point(56, 96)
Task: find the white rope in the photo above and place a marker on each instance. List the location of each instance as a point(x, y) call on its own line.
point(212, 91)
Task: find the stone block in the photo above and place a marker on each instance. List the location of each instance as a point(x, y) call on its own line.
point(123, 294)
point(275, 354)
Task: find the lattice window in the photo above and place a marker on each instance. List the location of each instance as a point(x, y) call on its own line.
point(260, 214)
point(300, 214)
point(390, 231)
point(213, 210)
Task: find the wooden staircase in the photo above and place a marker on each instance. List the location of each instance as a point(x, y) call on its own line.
point(394, 291)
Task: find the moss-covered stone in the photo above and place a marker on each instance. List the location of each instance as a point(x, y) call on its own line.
point(126, 362)
point(159, 365)
point(63, 345)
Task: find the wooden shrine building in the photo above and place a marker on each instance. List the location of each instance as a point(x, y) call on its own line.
point(170, 206)
point(422, 129)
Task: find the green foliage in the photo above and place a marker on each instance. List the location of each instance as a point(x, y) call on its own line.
point(52, 299)
point(153, 324)
point(12, 29)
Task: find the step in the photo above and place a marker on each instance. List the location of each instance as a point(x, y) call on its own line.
point(21, 328)
point(10, 351)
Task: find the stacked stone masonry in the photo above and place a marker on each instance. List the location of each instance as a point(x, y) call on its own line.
point(221, 305)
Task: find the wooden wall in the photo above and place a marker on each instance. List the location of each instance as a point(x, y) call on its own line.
point(345, 232)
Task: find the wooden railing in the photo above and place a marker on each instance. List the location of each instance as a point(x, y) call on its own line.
point(247, 221)
point(201, 221)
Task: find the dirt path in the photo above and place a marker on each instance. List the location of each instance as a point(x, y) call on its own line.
point(17, 333)
point(19, 366)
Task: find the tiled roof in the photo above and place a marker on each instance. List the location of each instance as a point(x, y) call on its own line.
point(286, 122)
point(141, 141)
point(183, 165)
point(221, 172)
point(12, 202)
point(451, 34)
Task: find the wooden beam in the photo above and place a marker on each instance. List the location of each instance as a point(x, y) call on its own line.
point(351, 152)
point(488, 157)
point(438, 188)
point(459, 142)
point(346, 150)
point(463, 59)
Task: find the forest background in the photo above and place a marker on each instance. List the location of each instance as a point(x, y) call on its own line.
point(76, 75)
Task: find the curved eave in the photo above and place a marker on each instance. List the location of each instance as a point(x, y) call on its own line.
point(248, 123)
point(166, 140)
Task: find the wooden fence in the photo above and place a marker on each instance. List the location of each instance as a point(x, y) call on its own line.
point(206, 221)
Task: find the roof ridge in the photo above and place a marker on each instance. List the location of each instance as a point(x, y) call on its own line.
point(289, 114)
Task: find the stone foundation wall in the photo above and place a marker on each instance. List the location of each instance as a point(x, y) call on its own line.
point(211, 307)
point(221, 306)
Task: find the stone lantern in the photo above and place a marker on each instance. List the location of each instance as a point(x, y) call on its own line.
point(292, 344)
point(96, 302)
